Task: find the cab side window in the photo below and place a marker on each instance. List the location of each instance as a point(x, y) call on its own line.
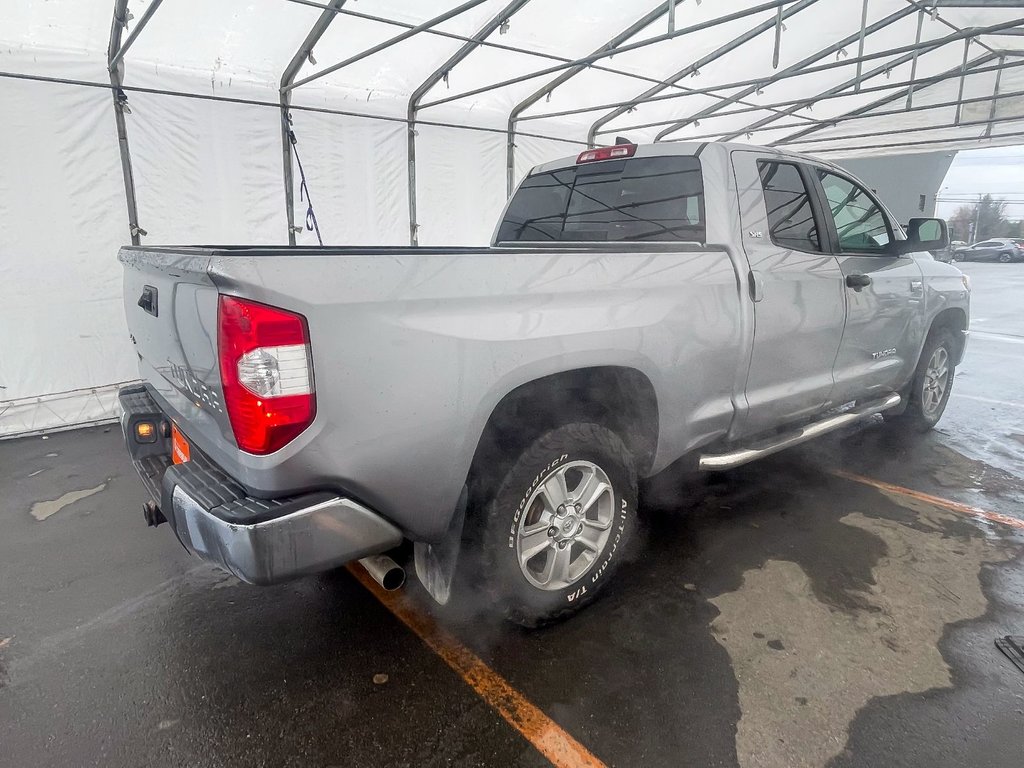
point(790, 215)
point(860, 223)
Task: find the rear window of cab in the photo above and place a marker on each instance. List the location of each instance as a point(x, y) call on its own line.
point(640, 199)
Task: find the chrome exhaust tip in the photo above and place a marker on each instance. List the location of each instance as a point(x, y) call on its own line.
point(385, 571)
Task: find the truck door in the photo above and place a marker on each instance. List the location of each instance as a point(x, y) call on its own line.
point(797, 291)
point(884, 293)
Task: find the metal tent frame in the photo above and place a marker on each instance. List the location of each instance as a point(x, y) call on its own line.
point(732, 98)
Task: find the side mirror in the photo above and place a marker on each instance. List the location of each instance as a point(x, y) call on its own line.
point(924, 235)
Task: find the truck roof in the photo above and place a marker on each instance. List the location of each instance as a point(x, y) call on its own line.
point(666, 149)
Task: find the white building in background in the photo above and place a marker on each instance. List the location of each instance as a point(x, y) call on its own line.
point(907, 183)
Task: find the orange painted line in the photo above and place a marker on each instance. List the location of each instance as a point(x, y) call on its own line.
point(550, 739)
point(953, 506)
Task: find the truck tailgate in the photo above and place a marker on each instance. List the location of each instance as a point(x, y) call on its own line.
point(171, 309)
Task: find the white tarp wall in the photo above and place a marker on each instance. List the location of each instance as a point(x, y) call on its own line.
point(209, 170)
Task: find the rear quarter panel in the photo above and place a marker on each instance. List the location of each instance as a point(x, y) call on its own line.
point(412, 352)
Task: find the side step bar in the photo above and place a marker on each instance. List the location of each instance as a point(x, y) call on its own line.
point(717, 461)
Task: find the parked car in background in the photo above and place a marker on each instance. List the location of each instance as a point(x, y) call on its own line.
point(1001, 249)
point(945, 255)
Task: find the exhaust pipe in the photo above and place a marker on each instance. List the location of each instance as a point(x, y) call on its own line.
point(152, 514)
point(385, 571)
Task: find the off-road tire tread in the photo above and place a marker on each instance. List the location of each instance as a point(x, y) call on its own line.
point(494, 520)
point(912, 418)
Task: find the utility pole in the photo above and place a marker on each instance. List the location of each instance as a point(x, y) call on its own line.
point(977, 221)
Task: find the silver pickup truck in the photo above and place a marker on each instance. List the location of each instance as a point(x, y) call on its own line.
point(495, 406)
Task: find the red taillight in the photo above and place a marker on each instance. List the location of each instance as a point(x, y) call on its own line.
point(606, 153)
point(266, 372)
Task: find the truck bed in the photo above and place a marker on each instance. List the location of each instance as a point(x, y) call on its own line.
point(413, 348)
point(414, 250)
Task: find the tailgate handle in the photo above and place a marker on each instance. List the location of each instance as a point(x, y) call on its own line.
point(148, 300)
point(756, 280)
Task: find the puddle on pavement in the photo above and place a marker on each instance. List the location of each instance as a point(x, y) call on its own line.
point(805, 667)
point(840, 597)
point(4, 677)
point(881, 453)
point(42, 510)
point(955, 470)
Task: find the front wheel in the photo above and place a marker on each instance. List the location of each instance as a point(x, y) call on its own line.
point(559, 524)
point(1005, 258)
point(932, 383)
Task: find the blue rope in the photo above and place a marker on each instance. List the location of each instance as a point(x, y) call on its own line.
point(311, 222)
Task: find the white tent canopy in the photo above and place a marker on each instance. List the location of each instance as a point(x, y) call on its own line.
point(412, 120)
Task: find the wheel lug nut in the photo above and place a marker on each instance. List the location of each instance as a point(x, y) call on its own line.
point(552, 531)
point(578, 508)
point(563, 544)
point(560, 510)
point(579, 530)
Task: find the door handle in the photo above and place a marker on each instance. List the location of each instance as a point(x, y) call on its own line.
point(858, 281)
point(756, 280)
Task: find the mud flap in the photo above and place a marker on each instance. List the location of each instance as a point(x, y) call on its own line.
point(1013, 647)
point(435, 563)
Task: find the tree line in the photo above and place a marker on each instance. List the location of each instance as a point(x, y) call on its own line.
point(983, 220)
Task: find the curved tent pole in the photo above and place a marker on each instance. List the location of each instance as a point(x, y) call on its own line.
point(833, 122)
point(785, 105)
point(995, 96)
point(562, 62)
point(979, 142)
point(433, 79)
point(781, 106)
point(439, 19)
point(533, 98)
point(113, 61)
point(986, 123)
point(956, 71)
point(925, 11)
point(695, 66)
point(793, 69)
point(614, 46)
point(854, 82)
point(594, 57)
point(287, 78)
point(115, 53)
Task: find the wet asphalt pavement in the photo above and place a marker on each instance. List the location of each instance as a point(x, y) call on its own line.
point(778, 615)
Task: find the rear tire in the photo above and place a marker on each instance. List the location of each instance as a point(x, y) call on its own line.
point(932, 383)
point(558, 525)
point(1005, 258)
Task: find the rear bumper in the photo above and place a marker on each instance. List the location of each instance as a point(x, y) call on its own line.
point(261, 541)
point(313, 538)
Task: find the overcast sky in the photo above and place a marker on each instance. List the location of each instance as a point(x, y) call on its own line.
point(999, 171)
